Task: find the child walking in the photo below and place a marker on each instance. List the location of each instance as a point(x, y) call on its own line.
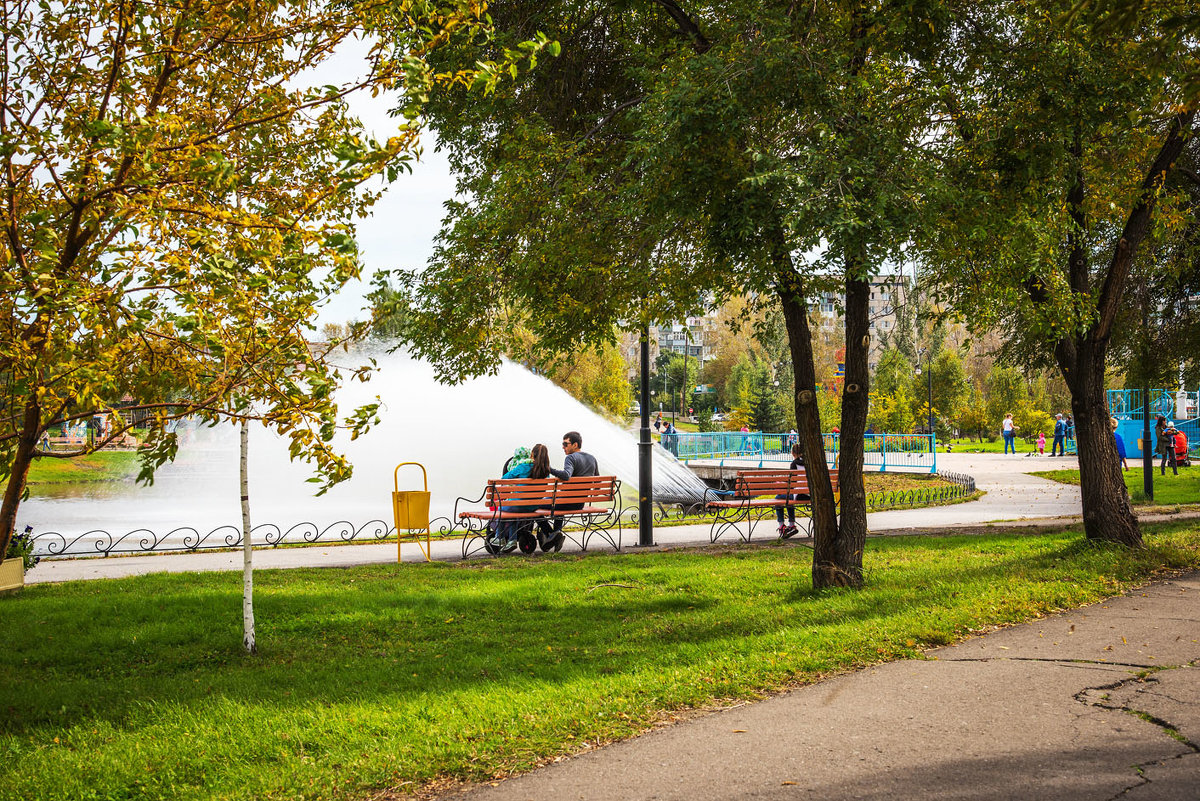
point(1041, 443)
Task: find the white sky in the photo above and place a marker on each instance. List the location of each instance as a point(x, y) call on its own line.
point(400, 230)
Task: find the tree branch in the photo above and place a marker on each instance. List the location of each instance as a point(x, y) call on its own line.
point(686, 25)
point(1138, 223)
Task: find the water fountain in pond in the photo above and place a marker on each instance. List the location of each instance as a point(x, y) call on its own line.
point(462, 434)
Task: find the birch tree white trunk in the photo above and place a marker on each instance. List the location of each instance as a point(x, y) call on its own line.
point(247, 554)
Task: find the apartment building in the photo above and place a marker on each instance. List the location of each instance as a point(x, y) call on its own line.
point(888, 293)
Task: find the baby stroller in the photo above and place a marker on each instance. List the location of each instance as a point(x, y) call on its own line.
point(1181, 449)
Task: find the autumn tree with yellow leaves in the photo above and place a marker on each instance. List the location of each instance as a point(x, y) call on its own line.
point(178, 201)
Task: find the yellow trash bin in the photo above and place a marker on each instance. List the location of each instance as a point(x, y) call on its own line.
point(410, 509)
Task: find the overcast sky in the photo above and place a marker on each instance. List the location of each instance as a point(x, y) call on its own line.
point(400, 230)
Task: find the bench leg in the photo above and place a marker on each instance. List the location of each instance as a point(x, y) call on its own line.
point(602, 525)
point(728, 519)
point(475, 538)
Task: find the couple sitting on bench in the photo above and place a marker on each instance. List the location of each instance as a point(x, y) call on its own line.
point(536, 464)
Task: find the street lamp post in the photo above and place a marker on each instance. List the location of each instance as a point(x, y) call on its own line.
point(645, 460)
point(929, 376)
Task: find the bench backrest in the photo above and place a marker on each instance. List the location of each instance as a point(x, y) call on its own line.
point(756, 483)
point(547, 493)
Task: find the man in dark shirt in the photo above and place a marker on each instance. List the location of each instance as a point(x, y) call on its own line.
point(577, 464)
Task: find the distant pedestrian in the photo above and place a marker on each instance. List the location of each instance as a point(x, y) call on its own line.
point(1058, 447)
point(1008, 429)
point(1041, 443)
point(670, 439)
point(1112, 422)
point(1166, 447)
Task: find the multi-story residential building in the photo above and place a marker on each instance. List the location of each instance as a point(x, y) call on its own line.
point(888, 293)
point(695, 336)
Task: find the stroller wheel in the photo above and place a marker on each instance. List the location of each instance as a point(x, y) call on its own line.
point(526, 542)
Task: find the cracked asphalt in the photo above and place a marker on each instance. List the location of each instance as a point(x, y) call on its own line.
point(1101, 702)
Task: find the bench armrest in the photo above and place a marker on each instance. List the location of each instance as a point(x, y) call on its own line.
point(717, 494)
point(464, 500)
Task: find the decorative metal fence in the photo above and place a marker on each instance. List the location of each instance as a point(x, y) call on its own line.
point(960, 486)
point(912, 452)
point(50, 544)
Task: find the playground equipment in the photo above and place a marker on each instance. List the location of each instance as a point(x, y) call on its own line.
point(1180, 407)
point(410, 509)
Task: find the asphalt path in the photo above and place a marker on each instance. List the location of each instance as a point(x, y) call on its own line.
point(1098, 703)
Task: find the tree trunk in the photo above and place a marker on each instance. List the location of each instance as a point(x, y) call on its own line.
point(808, 416)
point(842, 564)
point(22, 459)
point(247, 552)
point(1107, 513)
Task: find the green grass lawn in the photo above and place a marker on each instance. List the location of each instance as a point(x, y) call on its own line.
point(1169, 490)
point(101, 466)
point(393, 675)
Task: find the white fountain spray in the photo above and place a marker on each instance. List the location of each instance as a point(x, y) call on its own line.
point(462, 434)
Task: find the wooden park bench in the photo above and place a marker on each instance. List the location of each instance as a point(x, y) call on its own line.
point(754, 490)
point(592, 503)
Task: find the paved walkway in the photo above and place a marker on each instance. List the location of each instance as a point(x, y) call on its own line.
point(1098, 703)
point(1012, 495)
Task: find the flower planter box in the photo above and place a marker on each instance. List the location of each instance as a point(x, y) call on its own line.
point(12, 575)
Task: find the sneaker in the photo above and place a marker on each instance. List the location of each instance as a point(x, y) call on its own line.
point(509, 547)
point(790, 531)
point(782, 530)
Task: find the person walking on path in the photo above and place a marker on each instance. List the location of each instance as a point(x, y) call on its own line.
point(1058, 448)
point(576, 464)
point(1008, 430)
point(1041, 443)
point(670, 439)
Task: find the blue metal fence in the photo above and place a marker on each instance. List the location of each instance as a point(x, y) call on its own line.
point(883, 451)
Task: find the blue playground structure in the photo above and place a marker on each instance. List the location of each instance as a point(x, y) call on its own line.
point(1180, 407)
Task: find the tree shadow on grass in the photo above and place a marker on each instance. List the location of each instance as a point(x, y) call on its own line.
point(97, 650)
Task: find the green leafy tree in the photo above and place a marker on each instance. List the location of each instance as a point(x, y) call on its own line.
point(671, 152)
point(973, 417)
point(951, 389)
point(595, 376)
point(1061, 161)
point(178, 202)
point(765, 411)
point(1007, 393)
point(892, 412)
